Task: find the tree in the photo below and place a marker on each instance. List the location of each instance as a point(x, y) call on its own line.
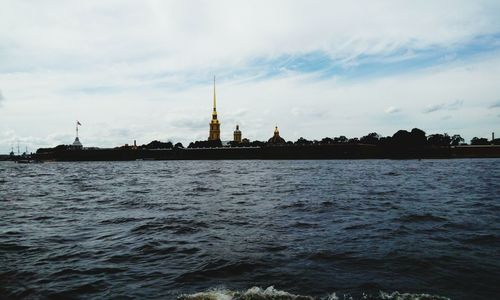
point(479, 141)
point(302, 141)
point(440, 140)
point(340, 140)
point(257, 144)
point(371, 138)
point(179, 145)
point(456, 140)
point(205, 144)
point(418, 137)
point(159, 145)
point(401, 138)
point(327, 141)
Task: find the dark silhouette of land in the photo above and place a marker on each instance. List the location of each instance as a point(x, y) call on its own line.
point(414, 144)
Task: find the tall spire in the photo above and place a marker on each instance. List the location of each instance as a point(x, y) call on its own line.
point(214, 93)
point(214, 133)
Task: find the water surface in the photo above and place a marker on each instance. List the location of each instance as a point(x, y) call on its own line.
point(161, 229)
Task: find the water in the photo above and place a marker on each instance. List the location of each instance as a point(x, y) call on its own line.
point(362, 228)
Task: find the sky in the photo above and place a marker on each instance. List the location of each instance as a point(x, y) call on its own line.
point(143, 70)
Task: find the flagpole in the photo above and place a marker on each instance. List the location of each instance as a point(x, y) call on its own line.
point(76, 129)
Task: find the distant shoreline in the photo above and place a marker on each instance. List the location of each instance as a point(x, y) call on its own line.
point(356, 151)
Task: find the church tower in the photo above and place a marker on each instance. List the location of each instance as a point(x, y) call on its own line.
point(237, 135)
point(214, 134)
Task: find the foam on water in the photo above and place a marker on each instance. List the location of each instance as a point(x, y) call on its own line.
point(270, 293)
point(252, 293)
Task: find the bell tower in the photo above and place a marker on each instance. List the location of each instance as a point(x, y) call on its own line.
point(214, 133)
point(237, 134)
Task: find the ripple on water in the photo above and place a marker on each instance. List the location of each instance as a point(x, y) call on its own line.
point(100, 230)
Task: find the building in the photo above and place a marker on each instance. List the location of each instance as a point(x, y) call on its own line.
point(77, 144)
point(237, 134)
point(276, 139)
point(214, 133)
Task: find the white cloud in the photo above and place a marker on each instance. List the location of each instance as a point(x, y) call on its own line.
point(173, 36)
point(141, 70)
point(454, 105)
point(392, 110)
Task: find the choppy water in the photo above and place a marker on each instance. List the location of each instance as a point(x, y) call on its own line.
point(379, 228)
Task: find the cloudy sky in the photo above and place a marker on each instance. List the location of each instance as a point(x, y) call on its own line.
point(143, 69)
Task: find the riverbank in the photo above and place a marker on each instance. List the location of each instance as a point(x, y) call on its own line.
point(355, 151)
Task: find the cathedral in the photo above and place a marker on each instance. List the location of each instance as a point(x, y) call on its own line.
point(214, 130)
point(214, 133)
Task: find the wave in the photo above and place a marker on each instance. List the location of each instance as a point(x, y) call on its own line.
point(270, 293)
point(219, 269)
point(422, 218)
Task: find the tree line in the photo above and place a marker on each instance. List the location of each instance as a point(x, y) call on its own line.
point(402, 138)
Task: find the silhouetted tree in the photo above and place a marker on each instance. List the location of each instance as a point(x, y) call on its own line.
point(340, 140)
point(384, 141)
point(371, 138)
point(302, 141)
point(159, 145)
point(456, 140)
point(415, 138)
point(418, 137)
point(440, 140)
point(353, 141)
point(327, 141)
point(205, 144)
point(479, 141)
point(257, 144)
point(401, 138)
point(179, 145)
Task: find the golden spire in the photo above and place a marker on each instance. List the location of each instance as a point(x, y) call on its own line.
point(214, 94)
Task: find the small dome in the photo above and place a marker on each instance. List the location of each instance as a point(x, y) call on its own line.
point(276, 139)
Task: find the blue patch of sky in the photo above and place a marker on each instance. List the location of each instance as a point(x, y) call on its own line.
point(321, 66)
point(369, 66)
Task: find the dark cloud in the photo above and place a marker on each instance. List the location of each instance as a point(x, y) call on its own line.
point(444, 106)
